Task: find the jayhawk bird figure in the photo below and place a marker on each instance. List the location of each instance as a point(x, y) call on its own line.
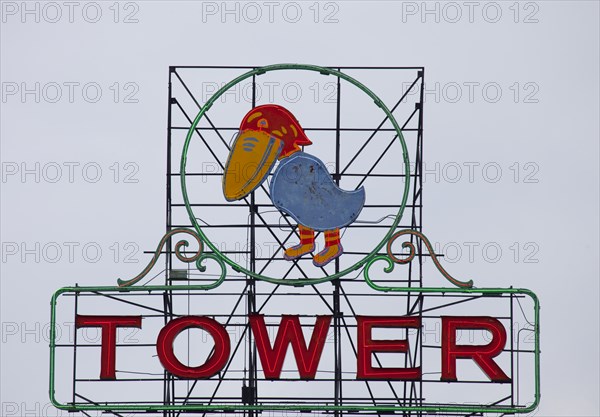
point(301, 185)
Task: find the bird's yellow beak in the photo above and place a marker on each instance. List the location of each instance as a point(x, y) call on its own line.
point(252, 156)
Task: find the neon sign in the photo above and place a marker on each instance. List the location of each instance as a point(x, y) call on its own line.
point(307, 355)
point(354, 340)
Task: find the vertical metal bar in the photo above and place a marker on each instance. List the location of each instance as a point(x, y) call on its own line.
point(512, 352)
point(252, 371)
point(414, 357)
point(169, 168)
point(336, 292)
point(75, 347)
point(337, 140)
point(419, 168)
point(168, 301)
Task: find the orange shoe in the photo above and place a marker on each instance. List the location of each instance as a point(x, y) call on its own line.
point(297, 251)
point(328, 254)
point(306, 245)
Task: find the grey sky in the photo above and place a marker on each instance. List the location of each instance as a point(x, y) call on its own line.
point(542, 131)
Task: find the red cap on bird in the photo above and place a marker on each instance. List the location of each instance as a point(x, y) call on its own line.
point(278, 122)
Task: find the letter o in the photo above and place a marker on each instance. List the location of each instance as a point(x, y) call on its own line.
point(497, 12)
point(257, 12)
point(497, 248)
point(96, 16)
point(297, 10)
point(97, 92)
point(57, 92)
point(457, 94)
point(458, 252)
point(455, 178)
point(497, 92)
point(57, 12)
point(46, 252)
point(496, 167)
point(216, 362)
point(297, 95)
point(457, 12)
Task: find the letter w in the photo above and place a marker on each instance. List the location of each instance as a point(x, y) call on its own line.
point(289, 332)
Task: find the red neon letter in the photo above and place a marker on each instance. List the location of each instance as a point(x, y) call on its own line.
point(482, 354)
point(166, 337)
point(367, 346)
point(109, 326)
point(289, 332)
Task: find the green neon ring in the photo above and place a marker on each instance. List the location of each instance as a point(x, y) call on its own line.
point(324, 71)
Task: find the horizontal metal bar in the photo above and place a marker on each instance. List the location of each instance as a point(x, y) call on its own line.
point(314, 129)
point(234, 67)
point(272, 206)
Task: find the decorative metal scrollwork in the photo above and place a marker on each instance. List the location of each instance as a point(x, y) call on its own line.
point(392, 259)
point(197, 257)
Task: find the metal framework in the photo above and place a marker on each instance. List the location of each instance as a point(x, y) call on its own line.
point(411, 391)
point(343, 298)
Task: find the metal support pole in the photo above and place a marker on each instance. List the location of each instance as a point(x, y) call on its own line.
point(252, 371)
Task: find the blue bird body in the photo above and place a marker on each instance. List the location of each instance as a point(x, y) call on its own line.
point(303, 188)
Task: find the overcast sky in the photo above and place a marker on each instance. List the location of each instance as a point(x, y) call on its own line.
point(511, 148)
